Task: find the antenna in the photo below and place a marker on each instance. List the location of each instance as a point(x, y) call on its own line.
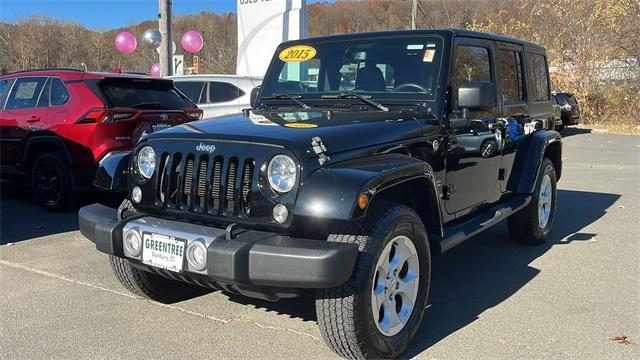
point(444, 4)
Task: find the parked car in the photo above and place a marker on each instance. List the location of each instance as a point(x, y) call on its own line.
point(217, 95)
point(569, 109)
point(57, 126)
point(344, 188)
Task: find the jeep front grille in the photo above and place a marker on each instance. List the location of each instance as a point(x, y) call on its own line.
point(205, 184)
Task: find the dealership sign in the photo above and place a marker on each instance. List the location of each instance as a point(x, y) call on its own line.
point(262, 26)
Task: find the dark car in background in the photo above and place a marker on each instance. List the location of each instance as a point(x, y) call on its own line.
point(57, 126)
point(569, 109)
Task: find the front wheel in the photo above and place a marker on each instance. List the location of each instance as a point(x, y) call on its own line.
point(532, 224)
point(378, 311)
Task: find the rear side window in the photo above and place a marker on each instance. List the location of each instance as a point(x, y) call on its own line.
point(59, 94)
point(25, 93)
point(471, 63)
point(510, 75)
point(143, 94)
point(539, 77)
point(223, 92)
point(194, 90)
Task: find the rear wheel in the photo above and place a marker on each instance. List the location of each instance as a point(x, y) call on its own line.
point(532, 224)
point(143, 283)
point(52, 182)
point(378, 311)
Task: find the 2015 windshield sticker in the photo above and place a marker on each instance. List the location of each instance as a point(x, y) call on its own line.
point(298, 53)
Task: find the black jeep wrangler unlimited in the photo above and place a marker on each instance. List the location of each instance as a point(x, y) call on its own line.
point(362, 155)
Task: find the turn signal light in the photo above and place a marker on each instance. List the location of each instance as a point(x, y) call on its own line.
point(363, 201)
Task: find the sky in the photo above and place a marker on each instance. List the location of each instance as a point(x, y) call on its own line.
point(108, 14)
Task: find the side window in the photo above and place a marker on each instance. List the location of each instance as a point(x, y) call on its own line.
point(510, 75)
point(470, 63)
point(223, 92)
point(25, 93)
point(59, 94)
point(44, 97)
point(539, 77)
point(194, 90)
point(5, 85)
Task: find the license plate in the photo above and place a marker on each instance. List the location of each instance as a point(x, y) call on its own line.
point(159, 127)
point(162, 251)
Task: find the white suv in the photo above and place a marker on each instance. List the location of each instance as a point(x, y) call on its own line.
point(217, 95)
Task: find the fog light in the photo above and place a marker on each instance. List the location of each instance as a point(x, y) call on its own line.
point(136, 195)
point(133, 243)
point(280, 213)
point(197, 255)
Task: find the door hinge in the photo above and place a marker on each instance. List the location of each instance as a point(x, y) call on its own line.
point(448, 191)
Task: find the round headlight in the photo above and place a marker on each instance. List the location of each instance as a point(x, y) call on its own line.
point(281, 173)
point(146, 161)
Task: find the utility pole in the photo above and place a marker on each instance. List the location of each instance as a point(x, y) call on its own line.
point(414, 14)
point(166, 51)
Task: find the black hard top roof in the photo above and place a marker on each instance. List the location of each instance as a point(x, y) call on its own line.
point(449, 32)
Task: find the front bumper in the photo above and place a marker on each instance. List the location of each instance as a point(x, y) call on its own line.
point(250, 258)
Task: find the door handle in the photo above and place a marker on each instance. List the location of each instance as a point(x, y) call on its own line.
point(33, 119)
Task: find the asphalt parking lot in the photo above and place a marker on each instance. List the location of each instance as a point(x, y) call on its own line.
point(490, 298)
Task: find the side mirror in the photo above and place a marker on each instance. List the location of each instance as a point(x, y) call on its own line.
point(477, 95)
point(255, 92)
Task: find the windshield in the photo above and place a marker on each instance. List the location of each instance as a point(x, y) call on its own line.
point(382, 69)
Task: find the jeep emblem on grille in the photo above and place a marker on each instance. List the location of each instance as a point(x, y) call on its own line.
point(164, 117)
point(206, 148)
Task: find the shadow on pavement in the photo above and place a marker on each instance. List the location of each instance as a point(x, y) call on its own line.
point(473, 277)
point(22, 219)
point(488, 269)
point(570, 131)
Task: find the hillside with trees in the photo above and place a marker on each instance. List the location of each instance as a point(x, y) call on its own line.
point(594, 46)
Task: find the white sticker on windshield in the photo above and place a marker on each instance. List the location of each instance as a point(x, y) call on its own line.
point(428, 55)
point(431, 45)
point(415, 47)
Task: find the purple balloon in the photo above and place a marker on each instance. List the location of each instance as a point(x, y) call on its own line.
point(126, 43)
point(155, 70)
point(192, 41)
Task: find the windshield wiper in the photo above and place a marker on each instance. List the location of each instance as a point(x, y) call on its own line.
point(290, 97)
point(366, 99)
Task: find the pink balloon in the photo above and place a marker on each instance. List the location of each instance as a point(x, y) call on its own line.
point(155, 70)
point(126, 43)
point(192, 41)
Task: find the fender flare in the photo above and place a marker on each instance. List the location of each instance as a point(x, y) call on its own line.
point(332, 192)
point(49, 139)
point(529, 157)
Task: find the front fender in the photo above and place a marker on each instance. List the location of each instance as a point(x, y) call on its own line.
point(529, 157)
point(332, 192)
point(112, 172)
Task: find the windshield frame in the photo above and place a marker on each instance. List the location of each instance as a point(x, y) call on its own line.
point(275, 68)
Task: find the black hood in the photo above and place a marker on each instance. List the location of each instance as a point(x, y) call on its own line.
point(340, 130)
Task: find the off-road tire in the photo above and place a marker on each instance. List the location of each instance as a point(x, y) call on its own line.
point(344, 313)
point(52, 163)
point(523, 225)
point(143, 283)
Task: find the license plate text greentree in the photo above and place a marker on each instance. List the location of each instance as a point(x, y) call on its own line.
point(165, 252)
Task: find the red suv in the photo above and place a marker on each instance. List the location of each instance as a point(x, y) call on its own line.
point(58, 127)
